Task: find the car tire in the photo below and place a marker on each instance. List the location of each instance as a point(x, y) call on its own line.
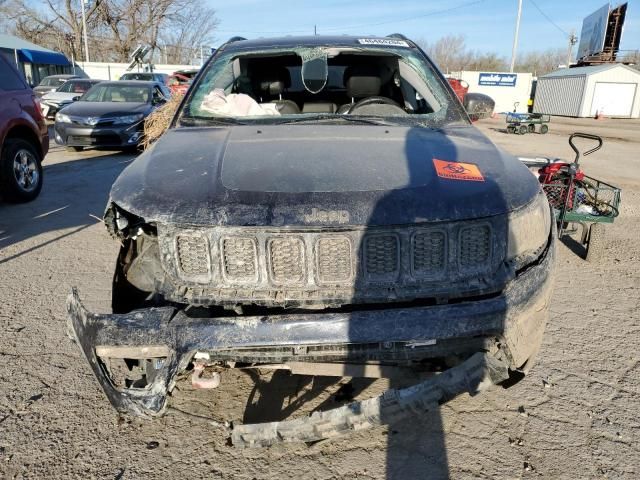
point(20, 171)
point(73, 149)
point(544, 129)
point(523, 129)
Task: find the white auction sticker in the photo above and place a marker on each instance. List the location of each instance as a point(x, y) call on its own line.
point(387, 42)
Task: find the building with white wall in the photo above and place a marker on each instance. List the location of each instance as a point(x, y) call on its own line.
point(506, 89)
point(609, 89)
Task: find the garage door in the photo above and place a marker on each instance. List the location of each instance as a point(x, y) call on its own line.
point(613, 99)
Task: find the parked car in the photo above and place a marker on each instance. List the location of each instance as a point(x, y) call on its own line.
point(51, 83)
point(110, 114)
point(460, 87)
point(147, 77)
point(24, 139)
point(321, 205)
point(180, 81)
point(67, 93)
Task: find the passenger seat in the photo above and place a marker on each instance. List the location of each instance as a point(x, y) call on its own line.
point(274, 85)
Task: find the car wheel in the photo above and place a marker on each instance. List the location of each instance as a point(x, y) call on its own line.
point(523, 129)
point(544, 129)
point(20, 171)
point(73, 149)
point(596, 243)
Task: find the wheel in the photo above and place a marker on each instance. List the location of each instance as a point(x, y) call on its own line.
point(544, 129)
point(20, 171)
point(531, 128)
point(595, 245)
point(511, 129)
point(73, 149)
point(523, 129)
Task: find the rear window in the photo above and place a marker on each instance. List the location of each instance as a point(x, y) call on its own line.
point(137, 76)
point(74, 86)
point(9, 78)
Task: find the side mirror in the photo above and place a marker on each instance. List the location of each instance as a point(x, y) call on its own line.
point(76, 98)
point(478, 105)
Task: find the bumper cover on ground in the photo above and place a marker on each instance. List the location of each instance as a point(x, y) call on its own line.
point(473, 376)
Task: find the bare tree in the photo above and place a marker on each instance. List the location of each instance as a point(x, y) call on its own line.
point(450, 53)
point(115, 27)
point(541, 63)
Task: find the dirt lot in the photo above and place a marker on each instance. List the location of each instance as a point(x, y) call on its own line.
point(574, 416)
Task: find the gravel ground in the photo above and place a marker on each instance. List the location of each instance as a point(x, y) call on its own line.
point(574, 416)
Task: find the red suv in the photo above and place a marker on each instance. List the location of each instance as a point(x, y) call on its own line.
point(24, 138)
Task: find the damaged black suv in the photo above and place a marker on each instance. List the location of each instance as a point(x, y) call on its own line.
point(322, 202)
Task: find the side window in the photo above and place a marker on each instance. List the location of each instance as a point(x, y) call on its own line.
point(9, 79)
point(158, 95)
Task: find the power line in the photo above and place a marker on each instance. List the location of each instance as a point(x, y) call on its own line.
point(549, 19)
point(363, 25)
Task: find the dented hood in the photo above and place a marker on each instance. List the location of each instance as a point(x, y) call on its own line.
point(276, 175)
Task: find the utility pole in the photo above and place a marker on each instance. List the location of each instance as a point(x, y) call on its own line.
point(84, 28)
point(572, 41)
point(315, 30)
point(515, 38)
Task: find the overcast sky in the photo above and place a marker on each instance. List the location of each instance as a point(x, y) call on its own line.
point(487, 24)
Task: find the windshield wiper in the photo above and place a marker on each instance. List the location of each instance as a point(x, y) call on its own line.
point(337, 118)
point(208, 121)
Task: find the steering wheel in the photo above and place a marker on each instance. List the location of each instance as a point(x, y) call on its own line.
point(372, 101)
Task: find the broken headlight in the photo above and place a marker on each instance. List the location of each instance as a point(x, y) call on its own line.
point(529, 230)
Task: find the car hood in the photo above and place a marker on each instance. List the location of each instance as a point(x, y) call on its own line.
point(59, 96)
point(106, 109)
point(299, 175)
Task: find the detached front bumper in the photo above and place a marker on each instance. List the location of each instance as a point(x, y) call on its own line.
point(508, 326)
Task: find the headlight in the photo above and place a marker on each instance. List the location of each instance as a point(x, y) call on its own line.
point(464, 84)
point(127, 119)
point(529, 230)
point(62, 118)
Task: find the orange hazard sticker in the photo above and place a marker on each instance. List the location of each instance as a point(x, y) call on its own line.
point(458, 170)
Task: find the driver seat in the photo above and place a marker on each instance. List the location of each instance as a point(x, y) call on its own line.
point(360, 82)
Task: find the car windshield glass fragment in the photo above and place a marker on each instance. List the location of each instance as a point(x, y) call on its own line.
point(278, 85)
point(118, 93)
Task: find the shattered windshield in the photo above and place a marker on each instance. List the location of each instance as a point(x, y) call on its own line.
point(328, 84)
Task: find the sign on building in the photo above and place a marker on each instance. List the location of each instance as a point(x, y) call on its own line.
point(497, 79)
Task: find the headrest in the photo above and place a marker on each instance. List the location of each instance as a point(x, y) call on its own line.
point(362, 81)
point(274, 81)
point(272, 87)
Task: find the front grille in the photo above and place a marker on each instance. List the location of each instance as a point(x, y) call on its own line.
point(311, 264)
point(474, 246)
point(193, 254)
point(381, 255)
point(334, 259)
point(429, 252)
point(239, 258)
point(287, 260)
point(96, 140)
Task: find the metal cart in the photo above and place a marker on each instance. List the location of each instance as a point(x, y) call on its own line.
point(578, 199)
point(526, 122)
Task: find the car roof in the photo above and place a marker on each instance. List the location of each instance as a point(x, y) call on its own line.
point(133, 83)
point(66, 75)
point(316, 41)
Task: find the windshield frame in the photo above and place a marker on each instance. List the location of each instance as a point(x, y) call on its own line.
point(454, 112)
